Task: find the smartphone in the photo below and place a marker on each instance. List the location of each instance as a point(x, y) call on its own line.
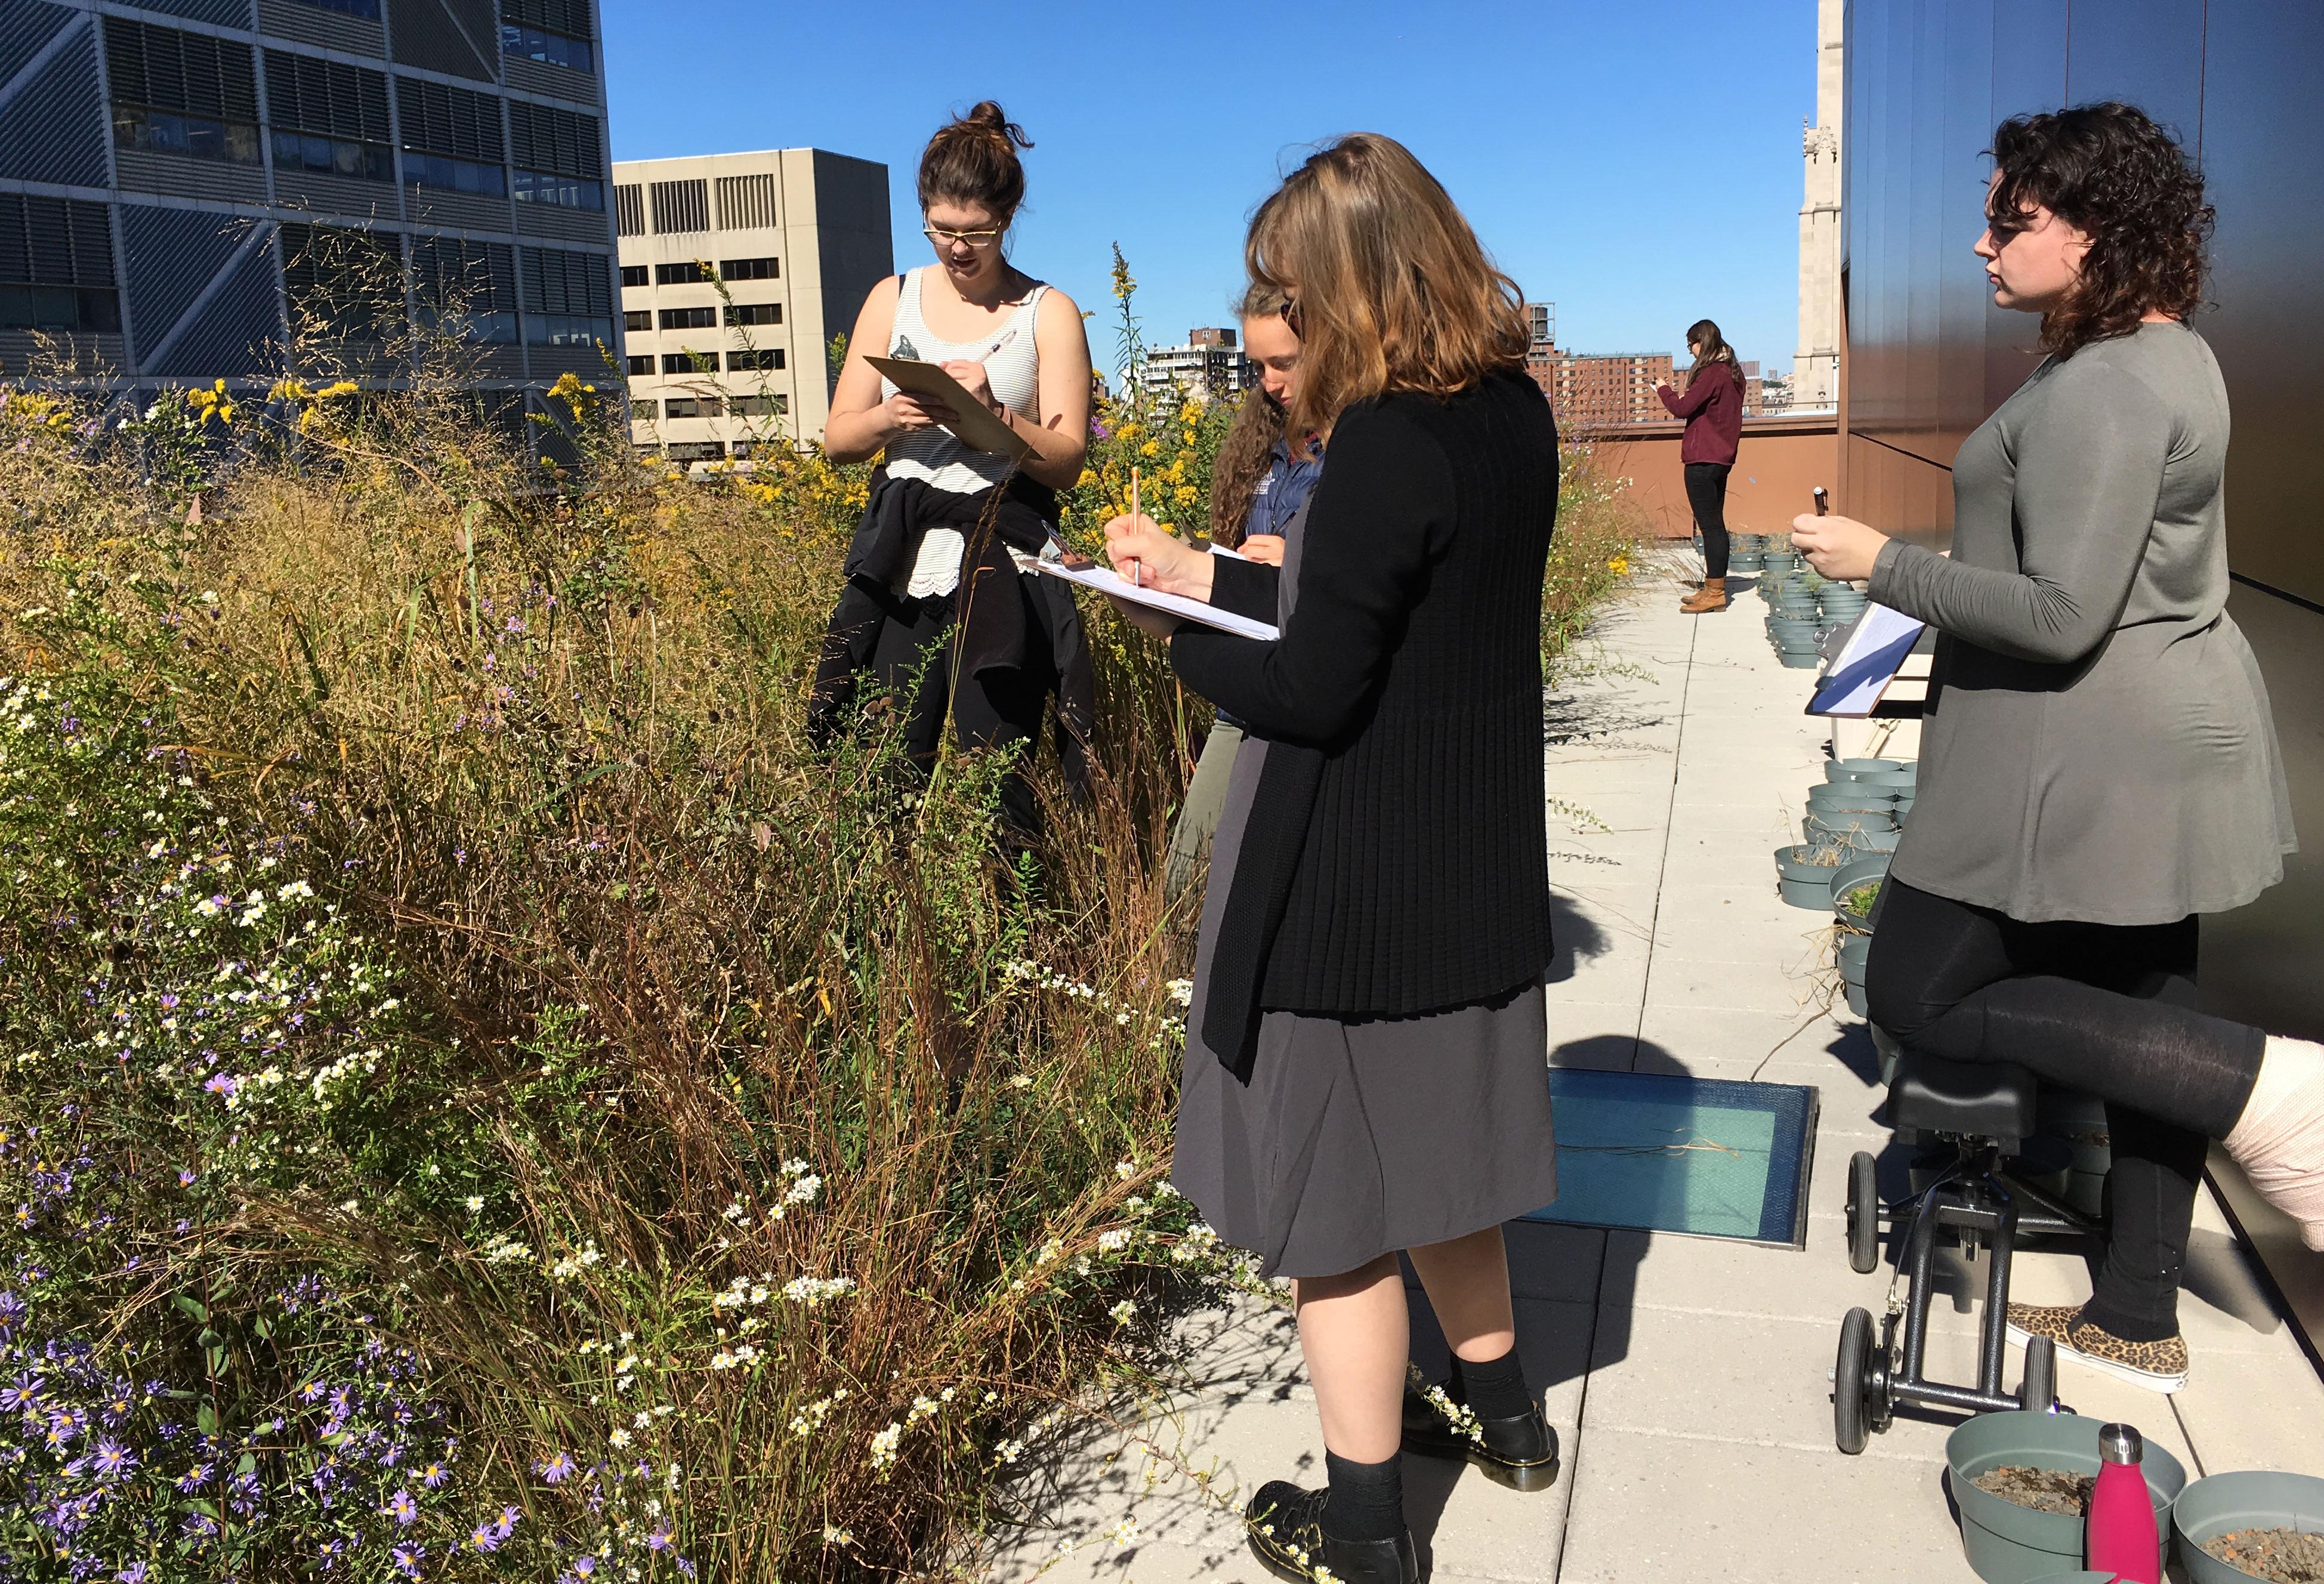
point(1822, 500)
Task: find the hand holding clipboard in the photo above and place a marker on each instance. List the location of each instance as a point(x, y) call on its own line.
point(972, 422)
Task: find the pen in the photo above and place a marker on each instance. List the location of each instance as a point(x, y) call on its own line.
point(1136, 567)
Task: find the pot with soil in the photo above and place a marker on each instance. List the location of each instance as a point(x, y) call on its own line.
point(1842, 824)
point(1856, 887)
point(2022, 1482)
point(1853, 769)
point(2233, 1528)
point(1780, 561)
point(1803, 873)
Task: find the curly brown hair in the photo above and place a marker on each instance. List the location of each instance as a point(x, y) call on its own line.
point(1248, 452)
point(2112, 173)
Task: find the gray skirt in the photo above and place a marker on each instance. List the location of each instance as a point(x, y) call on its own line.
point(1358, 1137)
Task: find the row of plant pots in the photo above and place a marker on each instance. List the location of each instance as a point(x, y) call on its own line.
point(2006, 1543)
point(1803, 609)
point(1853, 822)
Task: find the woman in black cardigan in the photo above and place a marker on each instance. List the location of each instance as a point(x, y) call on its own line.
point(1366, 1052)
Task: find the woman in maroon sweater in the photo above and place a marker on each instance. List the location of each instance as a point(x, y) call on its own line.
point(1713, 409)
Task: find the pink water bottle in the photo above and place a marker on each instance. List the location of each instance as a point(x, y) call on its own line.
point(2121, 1538)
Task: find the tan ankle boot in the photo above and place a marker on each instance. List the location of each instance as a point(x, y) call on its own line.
point(1712, 596)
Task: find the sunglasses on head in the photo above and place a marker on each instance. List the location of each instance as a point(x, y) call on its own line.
point(1289, 314)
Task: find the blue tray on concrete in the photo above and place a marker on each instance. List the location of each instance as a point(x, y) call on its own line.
point(1708, 1158)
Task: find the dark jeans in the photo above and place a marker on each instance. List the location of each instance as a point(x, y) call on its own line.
point(2104, 1009)
point(995, 710)
point(1706, 492)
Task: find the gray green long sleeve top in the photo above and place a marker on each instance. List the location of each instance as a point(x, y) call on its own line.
point(2097, 744)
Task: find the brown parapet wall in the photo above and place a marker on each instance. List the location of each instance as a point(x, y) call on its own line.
point(1781, 462)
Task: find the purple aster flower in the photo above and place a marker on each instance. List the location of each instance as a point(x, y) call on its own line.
point(221, 1084)
point(185, 1177)
point(660, 1540)
point(406, 1559)
point(134, 1573)
point(555, 1469)
point(485, 1538)
point(434, 1476)
point(402, 1507)
point(196, 1478)
point(112, 1459)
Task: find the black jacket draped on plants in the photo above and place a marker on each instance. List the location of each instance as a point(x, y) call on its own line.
point(1396, 860)
point(1005, 620)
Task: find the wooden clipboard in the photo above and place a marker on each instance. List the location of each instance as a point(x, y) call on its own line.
point(973, 423)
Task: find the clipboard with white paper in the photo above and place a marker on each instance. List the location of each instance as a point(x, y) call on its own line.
point(1871, 653)
point(1106, 581)
point(973, 422)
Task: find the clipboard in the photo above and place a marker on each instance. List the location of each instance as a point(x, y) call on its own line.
point(1107, 581)
point(1870, 654)
point(973, 423)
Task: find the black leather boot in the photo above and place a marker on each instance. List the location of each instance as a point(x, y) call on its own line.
point(1520, 1452)
point(1286, 1526)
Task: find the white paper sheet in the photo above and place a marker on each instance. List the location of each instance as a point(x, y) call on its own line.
point(1106, 581)
point(1868, 661)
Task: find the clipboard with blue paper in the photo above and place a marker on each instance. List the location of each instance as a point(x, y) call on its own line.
point(1871, 652)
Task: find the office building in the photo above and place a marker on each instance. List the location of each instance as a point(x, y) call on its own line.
point(1929, 356)
point(187, 188)
point(737, 271)
point(1210, 367)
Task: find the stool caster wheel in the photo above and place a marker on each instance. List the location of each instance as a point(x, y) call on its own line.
point(1863, 1213)
point(1853, 1383)
point(2038, 1391)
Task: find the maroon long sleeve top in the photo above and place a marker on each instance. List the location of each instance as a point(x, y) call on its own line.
point(1713, 409)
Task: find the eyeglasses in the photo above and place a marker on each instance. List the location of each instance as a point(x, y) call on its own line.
point(944, 238)
point(1289, 313)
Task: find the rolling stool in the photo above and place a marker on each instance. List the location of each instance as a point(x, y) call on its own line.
point(1976, 1118)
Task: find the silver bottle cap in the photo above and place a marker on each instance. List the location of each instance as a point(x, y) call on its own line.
point(2120, 1443)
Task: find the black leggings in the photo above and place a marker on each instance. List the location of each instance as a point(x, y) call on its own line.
point(1706, 492)
point(2104, 1009)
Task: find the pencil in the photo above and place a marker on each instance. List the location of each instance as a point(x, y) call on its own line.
point(1136, 574)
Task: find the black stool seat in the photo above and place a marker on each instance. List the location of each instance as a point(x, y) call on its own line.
point(1984, 1100)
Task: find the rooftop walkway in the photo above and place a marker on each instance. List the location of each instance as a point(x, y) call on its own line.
point(1688, 1377)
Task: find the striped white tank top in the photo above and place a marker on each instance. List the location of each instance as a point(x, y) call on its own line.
point(1012, 365)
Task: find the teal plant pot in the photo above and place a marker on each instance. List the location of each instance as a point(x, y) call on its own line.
point(1780, 561)
point(1889, 1051)
point(1843, 825)
point(1850, 770)
point(2010, 1544)
point(1806, 660)
point(1855, 873)
point(1850, 957)
point(1844, 798)
point(1803, 884)
point(1742, 561)
point(2225, 1503)
point(1857, 1002)
point(1904, 782)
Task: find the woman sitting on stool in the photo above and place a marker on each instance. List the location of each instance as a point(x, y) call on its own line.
point(2097, 766)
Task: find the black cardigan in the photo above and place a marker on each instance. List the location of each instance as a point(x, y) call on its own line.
point(1396, 860)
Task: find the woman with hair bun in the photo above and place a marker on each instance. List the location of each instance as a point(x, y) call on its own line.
point(2098, 768)
point(1713, 409)
point(937, 579)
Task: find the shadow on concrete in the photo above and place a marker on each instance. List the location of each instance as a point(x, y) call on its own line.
point(1575, 938)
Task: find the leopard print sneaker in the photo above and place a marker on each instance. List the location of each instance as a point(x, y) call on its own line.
point(2159, 1366)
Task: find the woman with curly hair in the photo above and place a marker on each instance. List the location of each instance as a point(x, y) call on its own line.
point(2098, 768)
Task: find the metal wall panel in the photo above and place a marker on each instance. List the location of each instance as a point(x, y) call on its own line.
point(223, 12)
point(25, 28)
point(556, 82)
point(552, 220)
point(51, 126)
point(237, 332)
point(329, 30)
point(2144, 52)
point(426, 34)
point(168, 257)
point(181, 176)
point(321, 194)
point(2261, 157)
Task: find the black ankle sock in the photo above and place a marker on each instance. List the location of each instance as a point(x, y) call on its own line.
point(1366, 1501)
point(1495, 1389)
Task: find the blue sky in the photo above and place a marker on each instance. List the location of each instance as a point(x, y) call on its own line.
point(1637, 163)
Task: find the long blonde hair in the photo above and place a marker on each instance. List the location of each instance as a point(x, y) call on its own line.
point(1391, 288)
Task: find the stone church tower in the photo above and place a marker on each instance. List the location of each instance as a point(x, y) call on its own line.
point(1815, 368)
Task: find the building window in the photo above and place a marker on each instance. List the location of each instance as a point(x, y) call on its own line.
point(746, 203)
point(366, 9)
point(696, 450)
point(691, 406)
point(751, 269)
point(568, 297)
point(629, 215)
point(331, 156)
point(185, 94)
point(566, 192)
point(637, 319)
point(533, 44)
point(642, 367)
point(767, 357)
point(754, 313)
point(688, 319)
point(455, 175)
point(680, 206)
point(688, 363)
point(56, 266)
point(466, 289)
point(558, 156)
point(773, 406)
point(634, 275)
point(451, 138)
point(690, 274)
